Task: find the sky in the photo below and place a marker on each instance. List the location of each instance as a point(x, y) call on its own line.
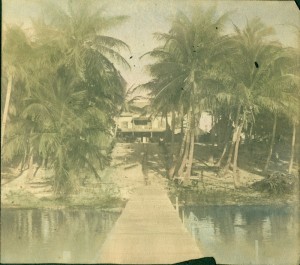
point(149, 16)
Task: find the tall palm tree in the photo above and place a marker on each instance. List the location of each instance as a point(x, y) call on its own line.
point(77, 32)
point(291, 99)
point(272, 91)
point(74, 91)
point(75, 35)
point(17, 55)
point(68, 131)
point(183, 73)
point(248, 69)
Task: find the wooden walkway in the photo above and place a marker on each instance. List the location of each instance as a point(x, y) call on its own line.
point(149, 231)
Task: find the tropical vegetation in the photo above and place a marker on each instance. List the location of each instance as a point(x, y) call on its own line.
point(62, 90)
point(237, 78)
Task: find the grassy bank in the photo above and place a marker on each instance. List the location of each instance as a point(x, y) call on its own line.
point(25, 199)
point(22, 192)
point(127, 172)
point(242, 196)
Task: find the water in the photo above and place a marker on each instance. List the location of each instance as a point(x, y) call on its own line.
point(231, 234)
point(56, 236)
point(246, 234)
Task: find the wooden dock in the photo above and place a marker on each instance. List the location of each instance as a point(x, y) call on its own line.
point(149, 231)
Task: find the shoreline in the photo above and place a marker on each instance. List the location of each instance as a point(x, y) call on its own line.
point(197, 199)
point(121, 178)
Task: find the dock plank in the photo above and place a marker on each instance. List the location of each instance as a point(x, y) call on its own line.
point(149, 231)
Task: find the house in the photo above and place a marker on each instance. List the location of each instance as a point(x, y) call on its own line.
point(139, 125)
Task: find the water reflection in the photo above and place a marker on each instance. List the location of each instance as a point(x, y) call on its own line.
point(246, 234)
point(40, 236)
point(232, 234)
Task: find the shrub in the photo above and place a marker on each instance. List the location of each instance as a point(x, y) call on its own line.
point(277, 183)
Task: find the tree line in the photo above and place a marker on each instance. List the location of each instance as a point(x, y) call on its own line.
point(63, 91)
point(238, 78)
point(62, 88)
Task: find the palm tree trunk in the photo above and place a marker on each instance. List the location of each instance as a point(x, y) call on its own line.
point(230, 154)
point(176, 164)
point(226, 141)
point(191, 156)
point(250, 134)
point(6, 106)
point(236, 176)
point(212, 142)
point(115, 131)
point(183, 143)
point(271, 143)
point(183, 161)
point(30, 158)
point(292, 148)
point(181, 126)
point(92, 168)
point(44, 163)
point(23, 162)
point(173, 131)
point(36, 170)
point(181, 122)
point(30, 166)
point(20, 167)
point(167, 122)
point(223, 155)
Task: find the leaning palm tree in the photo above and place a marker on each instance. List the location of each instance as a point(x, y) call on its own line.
point(273, 89)
point(257, 53)
point(291, 99)
point(74, 92)
point(183, 73)
point(17, 55)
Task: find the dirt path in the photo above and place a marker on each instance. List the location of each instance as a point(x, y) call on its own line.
point(132, 167)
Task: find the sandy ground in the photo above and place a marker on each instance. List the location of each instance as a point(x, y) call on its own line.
point(128, 174)
point(39, 185)
point(125, 172)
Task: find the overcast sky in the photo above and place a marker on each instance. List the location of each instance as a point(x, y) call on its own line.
point(149, 16)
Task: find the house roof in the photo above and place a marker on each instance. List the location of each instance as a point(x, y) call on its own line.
point(141, 118)
point(141, 104)
point(126, 114)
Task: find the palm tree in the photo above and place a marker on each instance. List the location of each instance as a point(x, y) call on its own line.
point(291, 99)
point(76, 33)
point(272, 91)
point(74, 90)
point(75, 37)
point(257, 53)
point(183, 73)
point(17, 54)
point(68, 131)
